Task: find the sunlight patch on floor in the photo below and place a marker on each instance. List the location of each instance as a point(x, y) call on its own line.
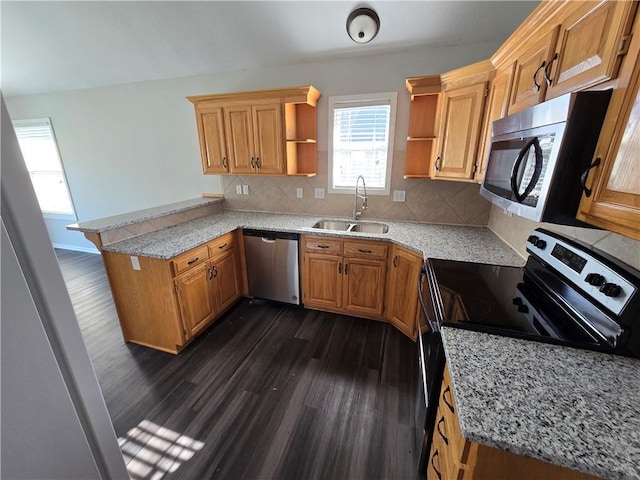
point(151, 451)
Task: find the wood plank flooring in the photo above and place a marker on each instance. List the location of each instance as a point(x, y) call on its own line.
point(267, 392)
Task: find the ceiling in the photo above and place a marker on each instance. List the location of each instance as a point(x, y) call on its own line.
point(57, 46)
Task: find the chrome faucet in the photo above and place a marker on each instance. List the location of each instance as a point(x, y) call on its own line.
point(364, 198)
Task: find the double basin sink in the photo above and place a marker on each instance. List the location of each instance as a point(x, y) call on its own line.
point(350, 226)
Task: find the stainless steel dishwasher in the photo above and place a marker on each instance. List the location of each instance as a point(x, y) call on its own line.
point(273, 265)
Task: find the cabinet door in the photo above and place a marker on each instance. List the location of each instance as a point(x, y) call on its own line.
point(239, 127)
point(529, 85)
point(226, 280)
point(364, 285)
point(590, 46)
point(402, 291)
point(322, 280)
point(269, 143)
point(213, 146)
point(497, 107)
point(460, 132)
point(195, 299)
point(614, 203)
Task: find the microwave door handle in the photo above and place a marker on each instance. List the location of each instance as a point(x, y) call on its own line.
point(536, 171)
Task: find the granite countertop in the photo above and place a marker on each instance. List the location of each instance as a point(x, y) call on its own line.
point(471, 244)
point(574, 408)
point(117, 221)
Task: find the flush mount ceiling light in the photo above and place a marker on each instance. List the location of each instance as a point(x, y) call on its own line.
point(363, 25)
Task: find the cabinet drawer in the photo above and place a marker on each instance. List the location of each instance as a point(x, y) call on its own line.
point(190, 259)
point(221, 244)
point(366, 249)
point(320, 244)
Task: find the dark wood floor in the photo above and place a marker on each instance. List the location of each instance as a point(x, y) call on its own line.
point(267, 392)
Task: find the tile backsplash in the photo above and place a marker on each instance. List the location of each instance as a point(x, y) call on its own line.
point(432, 201)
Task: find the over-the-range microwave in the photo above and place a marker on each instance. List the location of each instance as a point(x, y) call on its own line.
point(540, 157)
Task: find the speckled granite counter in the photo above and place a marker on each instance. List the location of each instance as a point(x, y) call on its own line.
point(117, 221)
point(472, 244)
point(574, 408)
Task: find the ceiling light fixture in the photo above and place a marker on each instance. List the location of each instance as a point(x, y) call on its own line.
point(363, 25)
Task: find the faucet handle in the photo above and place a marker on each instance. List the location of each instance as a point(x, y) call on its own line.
point(364, 203)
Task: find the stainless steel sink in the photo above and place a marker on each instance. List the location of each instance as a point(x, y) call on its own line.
point(347, 226)
point(342, 225)
point(370, 227)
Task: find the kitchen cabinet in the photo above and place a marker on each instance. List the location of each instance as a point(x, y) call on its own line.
point(164, 304)
point(578, 45)
point(267, 132)
point(213, 148)
point(402, 307)
point(454, 457)
point(344, 276)
point(422, 138)
point(497, 107)
point(611, 197)
point(461, 116)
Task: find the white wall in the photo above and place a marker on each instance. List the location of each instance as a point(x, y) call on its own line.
point(135, 146)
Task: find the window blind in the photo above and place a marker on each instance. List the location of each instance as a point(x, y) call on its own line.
point(40, 153)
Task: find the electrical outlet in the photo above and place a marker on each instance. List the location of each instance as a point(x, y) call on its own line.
point(319, 192)
point(238, 189)
point(299, 192)
point(245, 189)
point(399, 195)
point(135, 262)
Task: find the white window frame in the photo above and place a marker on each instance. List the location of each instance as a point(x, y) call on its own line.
point(39, 121)
point(384, 98)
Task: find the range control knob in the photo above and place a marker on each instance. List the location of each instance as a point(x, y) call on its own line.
point(541, 244)
point(533, 239)
point(610, 289)
point(523, 309)
point(594, 279)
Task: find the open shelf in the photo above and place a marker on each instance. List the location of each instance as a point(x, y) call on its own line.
point(301, 130)
point(421, 140)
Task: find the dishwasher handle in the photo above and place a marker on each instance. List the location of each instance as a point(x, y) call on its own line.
point(268, 240)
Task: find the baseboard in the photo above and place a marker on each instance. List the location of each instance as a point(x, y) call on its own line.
point(76, 248)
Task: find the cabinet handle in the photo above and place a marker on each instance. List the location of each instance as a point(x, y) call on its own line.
point(215, 272)
point(361, 250)
point(340, 268)
point(433, 465)
point(210, 274)
point(446, 440)
point(253, 162)
point(224, 162)
point(438, 162)
point(191, 262)
point(395, 261)
point(258, 163)
point(535, 82)
point(346, 269)
point(547, 70)
point(322, 246)
point(585, 175)
point(447, 402)
point(222, 246)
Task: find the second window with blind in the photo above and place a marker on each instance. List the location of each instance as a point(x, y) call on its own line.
point(361, 129)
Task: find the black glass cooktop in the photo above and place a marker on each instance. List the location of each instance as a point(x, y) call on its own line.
point(529, 302)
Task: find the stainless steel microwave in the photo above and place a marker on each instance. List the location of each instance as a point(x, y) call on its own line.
point(540, 157)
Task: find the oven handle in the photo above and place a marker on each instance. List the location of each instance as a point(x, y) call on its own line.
point(536, 172)
point(434, 324)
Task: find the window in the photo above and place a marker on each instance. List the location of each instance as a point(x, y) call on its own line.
point(361, 141)
point(40, 152)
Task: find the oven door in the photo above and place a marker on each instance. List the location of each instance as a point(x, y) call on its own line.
point(520, 168)
point(431, 360)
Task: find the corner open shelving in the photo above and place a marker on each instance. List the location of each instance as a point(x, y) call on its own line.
point(421, 142)
point(301, 130)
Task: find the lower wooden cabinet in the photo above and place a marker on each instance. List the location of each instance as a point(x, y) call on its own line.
point(164, 304)
point(402, 292)
point(453, 457)
point(346, 277)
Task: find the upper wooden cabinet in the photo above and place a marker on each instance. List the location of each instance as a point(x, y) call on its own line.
point(564, 47)
point(268, 132)
point(421, 141)
point(461, 113)
point(611, 197)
